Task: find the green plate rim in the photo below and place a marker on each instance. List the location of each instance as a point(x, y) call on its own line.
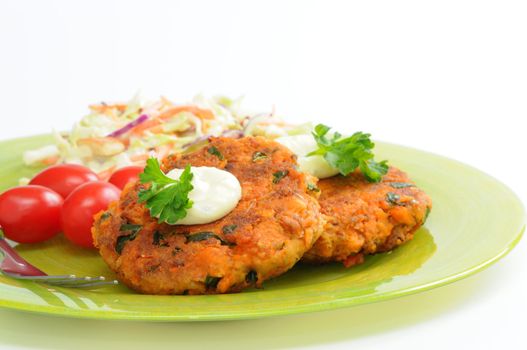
point(299, 309)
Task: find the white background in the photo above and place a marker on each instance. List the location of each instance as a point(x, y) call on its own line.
point(445, 76)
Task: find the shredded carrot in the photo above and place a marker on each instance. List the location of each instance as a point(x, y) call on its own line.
point(198, 112)
point(141, 128)
point(154, 124)
point(102, 108)
point(158, 129)
point(50, 160)
point(139, 157)
point(105, 174)
point(163, 151)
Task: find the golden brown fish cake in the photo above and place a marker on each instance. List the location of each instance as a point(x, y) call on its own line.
point(366, 218)
point(276, 221)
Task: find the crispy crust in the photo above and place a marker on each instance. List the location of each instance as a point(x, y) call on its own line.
point(276, 223)
point(362, 218)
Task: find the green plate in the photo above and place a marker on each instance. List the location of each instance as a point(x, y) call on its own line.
point(476, 220)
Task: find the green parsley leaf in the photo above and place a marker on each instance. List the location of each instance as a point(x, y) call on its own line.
point(349, 153)
point(312, 187)
point(211, 282)
point(251, 277)
point(228, 229)
point(401, 185)
point(159, 239)
point(166, 198)
point(105, 215)
point(259, 156)
point(203, 236)
point(279, 175)
point(392, 198)
point(215, 152)
point(121, 240)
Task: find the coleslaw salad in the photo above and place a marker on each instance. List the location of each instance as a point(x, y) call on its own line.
point(112, 136)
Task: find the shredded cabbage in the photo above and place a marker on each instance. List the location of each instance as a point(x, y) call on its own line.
point(89, 143)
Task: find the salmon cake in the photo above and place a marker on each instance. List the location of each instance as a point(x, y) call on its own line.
point(367, 218)
point(276, 221)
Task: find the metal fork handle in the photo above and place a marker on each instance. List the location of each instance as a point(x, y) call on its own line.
point(14, 263)
point(15, 266)
point(69, 281)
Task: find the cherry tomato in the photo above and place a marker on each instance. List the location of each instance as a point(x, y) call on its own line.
point(64, 178)
point(30, 214)
point(80, 207)
point(125, 175)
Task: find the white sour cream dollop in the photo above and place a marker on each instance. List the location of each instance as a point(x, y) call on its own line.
point(301, 145)
point(216, 193)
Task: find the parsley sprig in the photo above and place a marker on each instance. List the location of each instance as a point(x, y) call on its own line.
point(349, 153)
point(167, 199)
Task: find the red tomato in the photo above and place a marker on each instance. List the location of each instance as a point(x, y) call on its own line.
point(30, 214)
point(125, 175)
point(64, 178)
point(80, 207)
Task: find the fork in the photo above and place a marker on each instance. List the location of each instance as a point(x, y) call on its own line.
point(14, 266)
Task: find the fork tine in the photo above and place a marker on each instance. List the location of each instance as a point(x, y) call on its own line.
point(39, 278)
point(42, 278)
point(69, 281)
point(14, 266)
point(80, 280)
point(86, 285)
